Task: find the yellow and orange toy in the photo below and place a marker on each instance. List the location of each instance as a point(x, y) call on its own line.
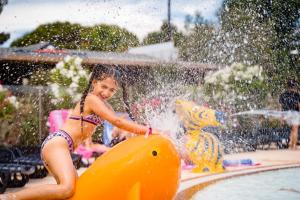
point(138, 168)
point(203, 148)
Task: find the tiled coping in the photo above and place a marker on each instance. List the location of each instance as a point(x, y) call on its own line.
point(189, 186)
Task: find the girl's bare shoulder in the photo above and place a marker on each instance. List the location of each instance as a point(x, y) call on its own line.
point(93, 100)
point(92, 97)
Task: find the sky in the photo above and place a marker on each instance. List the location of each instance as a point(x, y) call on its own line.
point(138, 16)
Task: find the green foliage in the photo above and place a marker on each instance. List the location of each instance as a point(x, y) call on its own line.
point(155, 37)
point(196, 45)
point(10, 120)
point(238, 86)
point(4, 37)
point(6, 111)
point(242, 38)
point(29, 131)
point(22, 127)
point(40, 76)
point(252, 33)
point(60, 34)
point(74, 36)
point(108, 38)
point(282, 14)
point(2, 96)
point(270, 27)
point(8, 104)
point(8, 115)
point(163, 35)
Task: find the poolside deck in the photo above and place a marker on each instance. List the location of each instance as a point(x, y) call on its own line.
point(265, 161)
point(192, 182)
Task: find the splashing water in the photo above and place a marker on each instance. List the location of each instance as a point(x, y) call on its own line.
point(291, 117)
point(164, 117)
point(168, 122)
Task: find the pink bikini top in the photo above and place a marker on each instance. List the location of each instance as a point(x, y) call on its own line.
point(92, 118)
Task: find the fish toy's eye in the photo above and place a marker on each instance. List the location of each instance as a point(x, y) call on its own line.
point(154, 153)
point(195, 109)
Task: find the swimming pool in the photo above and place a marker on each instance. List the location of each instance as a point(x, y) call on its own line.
point(272, 185)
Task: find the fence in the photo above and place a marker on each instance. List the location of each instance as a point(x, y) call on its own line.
point(32, 114)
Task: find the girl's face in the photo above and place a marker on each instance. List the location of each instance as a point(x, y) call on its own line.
point(105, 88)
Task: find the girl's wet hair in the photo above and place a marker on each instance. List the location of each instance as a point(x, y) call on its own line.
point(101, 72)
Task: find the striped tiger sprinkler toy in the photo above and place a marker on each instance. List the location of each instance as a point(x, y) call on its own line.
point(204, 149)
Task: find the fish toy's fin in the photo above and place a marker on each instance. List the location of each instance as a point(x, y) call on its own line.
point(135, 192)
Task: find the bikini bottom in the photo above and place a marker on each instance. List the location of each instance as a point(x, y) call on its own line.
point(59, 133)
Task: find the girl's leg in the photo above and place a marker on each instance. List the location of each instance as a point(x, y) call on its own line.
point(294, 137)
point(57, 156)
point(291, 138)
point(295, 134)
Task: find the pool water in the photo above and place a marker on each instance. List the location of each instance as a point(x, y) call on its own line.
point(272, 185)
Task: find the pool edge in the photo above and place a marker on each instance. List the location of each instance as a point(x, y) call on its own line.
point(189, 192)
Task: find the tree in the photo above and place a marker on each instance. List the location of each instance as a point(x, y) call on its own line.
point(196, 21)
point(74, 36)
point(105, 37)
point(60, 34)
point(251, 32)
point(270, 27)
point(283, 15)
point(3, 36)
point(163, 35)
point(196, 44)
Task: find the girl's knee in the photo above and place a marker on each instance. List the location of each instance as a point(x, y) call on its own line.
point(67, 190)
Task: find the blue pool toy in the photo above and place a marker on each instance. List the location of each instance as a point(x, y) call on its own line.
point(239, 162)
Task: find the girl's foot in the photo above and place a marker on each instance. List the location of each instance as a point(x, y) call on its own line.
point(294, 147)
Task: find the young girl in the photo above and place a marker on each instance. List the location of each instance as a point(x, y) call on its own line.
point(87, 114)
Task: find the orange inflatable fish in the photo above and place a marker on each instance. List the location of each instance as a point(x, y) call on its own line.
point(138, 168)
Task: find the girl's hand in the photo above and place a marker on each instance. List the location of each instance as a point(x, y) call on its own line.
point(115, 132)
point(156, 132)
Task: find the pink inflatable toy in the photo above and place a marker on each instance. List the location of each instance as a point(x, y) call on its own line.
point(57, 118)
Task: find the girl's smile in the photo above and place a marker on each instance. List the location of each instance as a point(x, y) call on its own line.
point(105, 88)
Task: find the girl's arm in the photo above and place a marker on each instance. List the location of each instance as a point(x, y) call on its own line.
point(98, 107)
